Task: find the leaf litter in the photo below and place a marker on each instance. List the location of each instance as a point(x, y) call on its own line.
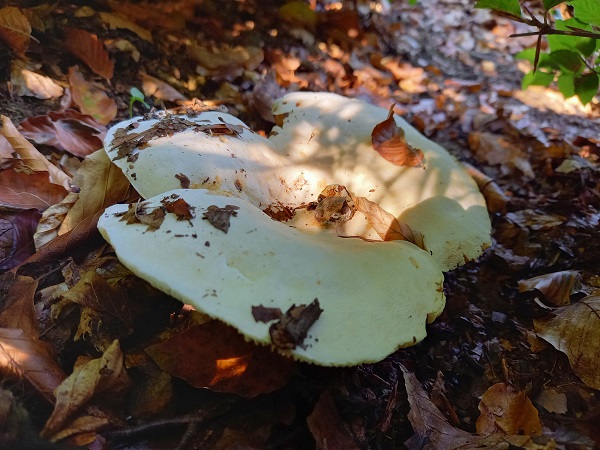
point(451, 75)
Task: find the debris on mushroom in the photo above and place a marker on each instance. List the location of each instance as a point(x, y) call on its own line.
point(258, 231)
point(373, 297)
point(321, 139)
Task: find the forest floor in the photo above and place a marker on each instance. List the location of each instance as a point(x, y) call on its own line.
point(513, 359)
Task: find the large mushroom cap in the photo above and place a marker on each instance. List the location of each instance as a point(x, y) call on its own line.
point(331, 134)
point(375, 297)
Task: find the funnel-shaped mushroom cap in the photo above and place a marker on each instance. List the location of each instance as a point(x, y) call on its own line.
point(331, 134)
point(374, 297)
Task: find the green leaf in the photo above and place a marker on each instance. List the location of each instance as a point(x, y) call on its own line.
point(586, 87)
point(544, 61)
point(567, 61)
point(510, 6)
point(566, 85)
point(587, 11)
point(136, 93)
point(537, 78)
point(549, 4)
point(585, 46)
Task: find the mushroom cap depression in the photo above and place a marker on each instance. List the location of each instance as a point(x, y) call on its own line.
point(375, 296)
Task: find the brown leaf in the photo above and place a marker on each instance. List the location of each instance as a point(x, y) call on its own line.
point(101, 184)
point(179, 207)
point(385, 224)
point(104, 375)
point(153, 87)
point(556, 287)
point(31, 156)
point(27, 82)
point(265, 314)
point(495, 198)
point(290, 331)
point(23, 356)
point(15, 29)
point(141, 213)
point(16, 238)
point(220, 217)
point(215, 356)
point(17, 308)
point(21, 188)
point(90, 50)
point(67, 130)
point(575, 331)
point(328, 428)
point(52, 219)
point(498, 149)
point(90, 99)
point(121, 21)
point(389, 141)
point(508, 411)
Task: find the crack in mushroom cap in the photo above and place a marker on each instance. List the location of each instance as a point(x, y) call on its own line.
point(376, 297)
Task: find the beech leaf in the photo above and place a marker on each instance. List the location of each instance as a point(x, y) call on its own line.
point(16, 238)
point(215, 356)
point(389, 141)
point(91, 100)
point(15, 29)
point(575, 331)
point(90, 50)
point(556, 287)
point(507, 410)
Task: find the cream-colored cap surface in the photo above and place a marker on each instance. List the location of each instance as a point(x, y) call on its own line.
point(375, 297)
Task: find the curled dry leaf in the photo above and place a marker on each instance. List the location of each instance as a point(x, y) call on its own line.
point(508, 411)
point(52, 218)
point(102, 375)
point(16, 238)
point(140, 213)
point(27, 82)
point(31, 156)
point(575, 331)
point(220, 217)
point(389, 141)
point(215, 356)
point(15, 29)
point(90, 50)
point(386, 225)
point(290, 331)
point(495, 198)
point(180, 208)
point(90, 99)
point(556, 287)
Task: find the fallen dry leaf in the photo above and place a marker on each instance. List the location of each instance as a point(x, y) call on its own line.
point(140, 213)
point(328, 428)
point(31, 156)
point(27, 82)
point(16, 237)
point(556, 287)
point(90, 50)
point(21, 188)
point(153, 87)
point(575, 331)
point(385, 224)
point(227, 62)
point(52, 219)
point(389, 141)
point(90, 99)
point(508, 411)
point(495, 198)
point(169, 16)
point(290, 331)
point(498, 149)
point(101, 184)
point(116, 20)
point(180, 208)
point(105, 375)
point(26, 357)
point(215, 356)
point(220, 217)
point(15, 29)
point(68, 130)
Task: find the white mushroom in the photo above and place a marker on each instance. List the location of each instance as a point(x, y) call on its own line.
point(375, 297)
point(331, 134)
point(320, 167)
